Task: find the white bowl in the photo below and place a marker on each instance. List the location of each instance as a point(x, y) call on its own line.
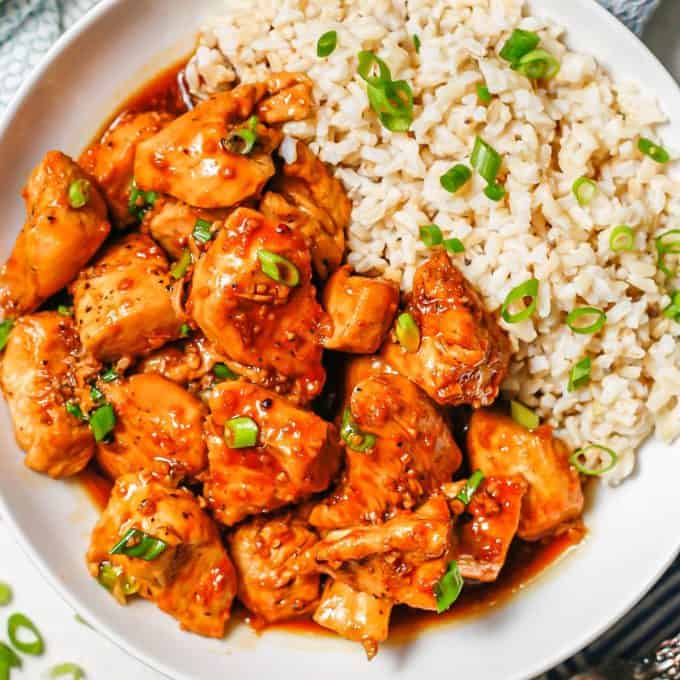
point(633, 529)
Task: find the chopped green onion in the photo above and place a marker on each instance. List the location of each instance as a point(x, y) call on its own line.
point(483, 94)
point(448, 588)
point(8, 659)
point(202, 231)
point(140, 201)
point(580, 375)
point(75, 410)
point(70, 670)
point(585, 468)
point(110, 575)
point(584, 189)
point(136, 543)
point(355, 438)
point(673, 310)
point(278, 268)
point(327, 44)
point(5, 594)
point(18, 622)
point(622, 239)
point(538, 64)
point(95, 393)
point(455, 178)
point(431, 235)
point(466, 493)
point(393, 102)
point(180, 267)
point(102, 422)
point(654, 151)
point(242, 140)
point(486, 160)
point(109, 375)
point(79, 193)
point(494, 192)
point(65, 310)
point(5, 328)
point(666, 246)
point(454, 245)
point(575, 319)
point(367, 62)
point(241, 432)
point(223, 372)
point(408, 333)
point(185, 330)
point(416, 43)
point(524, 416)
point(528, 289)
point(519, 45)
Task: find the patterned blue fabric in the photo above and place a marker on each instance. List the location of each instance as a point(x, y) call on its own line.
point(29, 27)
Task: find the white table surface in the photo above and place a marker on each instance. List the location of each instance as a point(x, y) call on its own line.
point(69, 640)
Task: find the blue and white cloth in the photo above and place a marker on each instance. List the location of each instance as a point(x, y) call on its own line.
point(29, 27)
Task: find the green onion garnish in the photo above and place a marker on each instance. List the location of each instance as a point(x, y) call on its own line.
point(455, 178)
point(355, 438)
point(185, 330)
point(483, 94)
point(5, 594)
point(65, 310)
point(326, 44)
point(18, 622)
point(584, 468)
point(109, 374)
point(140, 201)
point(180, 267)
point(667, 244)
point(673, 310)
point(75, 410)
point(538, 64)
point(519, 45)
point(241, 432)
point(584, 189)
point(466, 493)
point(486, 160)
point(136, 543)
point(524, 416)
point(454, 245)
point(622, 239)
point(448, 588)
point(8, 659)
point(528, 289)
point(408, 333)
point(494, 192)
point(67, 670)
point(431, 235)
point(580, 375)
point(654, 151)
point(416, 43)
point(367, 63)
point(79, 193)
point(5, 327)
point(109, 575)
point(576, 318)
point(278, 268)
point(202, 231)
point(223, 372)
point(95, 393)
point(243, 140)
point(102, 422)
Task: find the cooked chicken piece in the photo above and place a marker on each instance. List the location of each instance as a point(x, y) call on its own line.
point(290, 98)
point(111, 160)
point(484, 539)
point(191, 159)
point(38, 379)
point(413, 455)
point(192, 578)
point(296, 454)
point(159, 426)
point(498, 446)
point(171, 223)
point(361, 309)
point(271, 325)
point(463, 354)
point(122, 302)
point(57, 239)
point(354, 615)
point(401, 560)
point(274, 582)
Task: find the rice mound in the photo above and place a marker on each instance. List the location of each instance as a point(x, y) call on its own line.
point(579, 124)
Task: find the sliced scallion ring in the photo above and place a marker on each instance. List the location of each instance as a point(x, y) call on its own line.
point(8, 659)
point(242, 140)
point(448, 588)
point(223, 372)
point(102, 422)
point(486, 160)
point(524, 416)
point(538, 65)
point(326, 44)
point(483, 94)
point(65, 310)
point(140, 201)
point(78, 193)
point(519, 44)
point(69, 671)
point(179, 269)
point(109, 374)
point(95, 393)
point(109, 576)
point(431, 235)
point(202, 232)
point(75, 410)
point(584, 190)
point(5, 594)
point(355, 438)
point(241, 432)
point(526, 290)
point(393, 102)
point(654, 151)
point(494, 192)
point(138, 544)
point(667, 244)
point(455, 178)
point(278, 268)
point(19, 622)
point(367, 64)
point(467, 492)
point(577, 317)
point(454, 245)
point(5, 328)
point(407, 332)
point(622, 239)
point(579, 375)
point(673, 310)
point(416, 43)
point(185, 330)
point(606, 457)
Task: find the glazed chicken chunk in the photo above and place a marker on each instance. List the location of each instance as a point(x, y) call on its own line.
point(499, 446)
point(253, 297)
point(289, 97)
point(159, 426)
point(123, 301)
point(294, 455)
point(112, 159)
point(361, 310)
point(275, 581)
point(399, 450)
point(39, 380)
point(200, 158)
point(169, 551)
point(57, 239)
point(462, 354)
